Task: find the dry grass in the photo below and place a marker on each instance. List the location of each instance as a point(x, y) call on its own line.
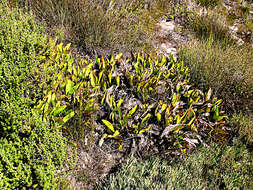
point(211, 23)
point(102, 27)
point(209, 3)
point(227, 70)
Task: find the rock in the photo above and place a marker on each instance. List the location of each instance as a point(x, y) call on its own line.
point(166, 27)
point(167, 49)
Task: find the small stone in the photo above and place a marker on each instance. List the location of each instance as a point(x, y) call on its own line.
point(167, 26)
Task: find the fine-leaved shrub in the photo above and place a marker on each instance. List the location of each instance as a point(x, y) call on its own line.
point(30, 150)
point(216, 167)
point(243, 124)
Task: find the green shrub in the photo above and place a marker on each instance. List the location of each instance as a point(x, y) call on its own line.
point(30, 151)
point(244, 126)
point(31, 154)
point(217, 167)
point(227, 70)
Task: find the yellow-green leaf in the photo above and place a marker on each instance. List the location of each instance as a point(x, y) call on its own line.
point(109, 125)
point(110, 77)
point(92, 80)
point(57, 110)
point(46, 107)
point(131, 80)
point(164, 106)
point(100, 76)
point(159, 117)
point(146, 118)
point(103, 99)
point(218, 102)
point(119, 56)
point(190, 123)
point(144, 130)
point(68, 117)
point(53, 99)
point(49, 96)
point(115, 134)
point(118, 80)
point(174, 99)
point(132, 111)
point(69, 87)
point(67, 46)
point(120, 102)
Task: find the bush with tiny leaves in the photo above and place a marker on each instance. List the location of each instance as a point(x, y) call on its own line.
point(31, 151)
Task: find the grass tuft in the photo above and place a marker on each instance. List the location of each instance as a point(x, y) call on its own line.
point(102, 27)
point(212, 23)
point(227, 70)
point(209, 3)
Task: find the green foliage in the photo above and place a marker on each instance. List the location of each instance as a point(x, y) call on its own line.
point(227, 70)
point(131, 96)
point(69, 98)
point(31, 154)
point(21, 41)
point(209, 3)
point(162, 97)
point(30, 151)
point(216, 167)
point(244, 126)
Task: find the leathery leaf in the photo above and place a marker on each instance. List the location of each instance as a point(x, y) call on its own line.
point(159, 117)
point(68, 116)
point(70, 87)
point(115, 134)
point(146, 118)
point(109, 125)
point(132, 111)
point(57, 110)
point(144, 130)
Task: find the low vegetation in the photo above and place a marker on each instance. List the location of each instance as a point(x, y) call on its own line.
point(101, 27)
point(187, 122)
point(215, 167)
point(209, 3)
point(31, 151)
point(227, 70)
point(208, 24)
point(242, 125)
point(133, 97)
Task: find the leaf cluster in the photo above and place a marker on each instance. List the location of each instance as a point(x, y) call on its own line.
point(153, 95)
point(133, 97)
point(68, 95)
